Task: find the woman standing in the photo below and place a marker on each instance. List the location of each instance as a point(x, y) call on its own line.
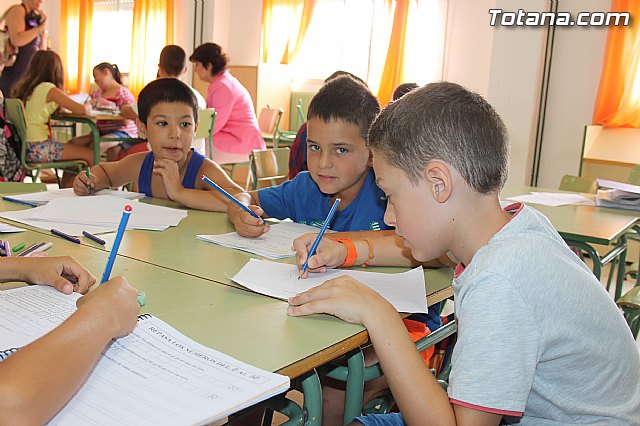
point(236, 132)
point(26, 25)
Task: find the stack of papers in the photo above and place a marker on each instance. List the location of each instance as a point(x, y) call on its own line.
point(275, 244)
point(405, 291)
point(618, 195)
point(44, 197)
point(95, 214)
point(552, 199)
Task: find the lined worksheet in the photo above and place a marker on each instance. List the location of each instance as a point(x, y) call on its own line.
point(405, 291)
point(153, 376)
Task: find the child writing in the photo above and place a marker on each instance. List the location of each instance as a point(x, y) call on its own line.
point(534, 343)
point(27, 377)
point(41, 91)
point(339, 166)
point(168, 116)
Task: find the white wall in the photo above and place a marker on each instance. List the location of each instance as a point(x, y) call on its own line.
point(575, 76)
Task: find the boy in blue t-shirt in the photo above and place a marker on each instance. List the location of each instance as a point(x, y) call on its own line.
point(339, 166)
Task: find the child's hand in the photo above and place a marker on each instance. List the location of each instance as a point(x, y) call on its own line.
point(114, 303)
point(329, 253)
point(344, 297)
point(82, 185)
point(63, 273)
point(168, 170)
point(245, 224)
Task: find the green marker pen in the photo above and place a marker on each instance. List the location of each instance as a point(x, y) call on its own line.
point(89, 179)
point(18, 247)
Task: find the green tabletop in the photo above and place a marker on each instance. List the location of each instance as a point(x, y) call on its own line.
point(242, 324)
point(588, 224)
point(178, 249)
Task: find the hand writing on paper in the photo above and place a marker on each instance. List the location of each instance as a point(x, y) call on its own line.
point(329, 254)
point(245, 224)
point(168, 170)
point(344, 297)
point(63, 273)
point(114, 303)
point(82, 183)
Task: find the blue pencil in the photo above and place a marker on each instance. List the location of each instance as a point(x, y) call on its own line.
point(325, 225)
point(24, 203)
point(116, 243)
point(230, 197)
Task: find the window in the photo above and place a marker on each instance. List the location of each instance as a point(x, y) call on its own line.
point(353, 35)
point(111, 32)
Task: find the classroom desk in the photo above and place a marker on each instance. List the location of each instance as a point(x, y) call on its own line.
point(174, 257)
point(90, 120)
point(583, 226)
point(178, 249)
point(226, 318)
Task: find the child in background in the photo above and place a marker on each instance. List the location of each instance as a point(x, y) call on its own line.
point(112, 94)
point(172, 64)
point(27, 377)
point(535, 327)
point(168, 116)
point(42, 92)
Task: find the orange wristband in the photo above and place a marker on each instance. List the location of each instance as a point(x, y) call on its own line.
point(352, 254)
point(370, 244)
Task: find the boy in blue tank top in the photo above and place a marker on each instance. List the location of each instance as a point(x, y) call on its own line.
point(168, 116)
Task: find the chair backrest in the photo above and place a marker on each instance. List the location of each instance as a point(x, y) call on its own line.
point(578, 184)
point(206, 120)
point(634, 176)
point(269, 164)
point(300, 118)
point(269, 118)
point(14, 110)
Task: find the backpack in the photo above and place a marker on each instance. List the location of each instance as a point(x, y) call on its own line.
point(11, 169)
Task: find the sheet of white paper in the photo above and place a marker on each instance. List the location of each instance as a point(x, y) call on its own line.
point(27, 313)
point(275, 244)
point(80, 97)
point(6, 228)
point(153, 376)
point(46, 196)
point(23, 216)
point(102, 211)
point(405, 291)
point(552, 199)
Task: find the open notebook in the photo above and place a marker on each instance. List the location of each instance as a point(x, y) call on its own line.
point(154, 376)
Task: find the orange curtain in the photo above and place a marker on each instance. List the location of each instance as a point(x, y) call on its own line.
point(75, 34)
point(393, 72)
point(284, 25)
point(618, 100)
point(150, 19)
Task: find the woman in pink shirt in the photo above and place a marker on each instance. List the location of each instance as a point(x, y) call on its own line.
point(236, 131)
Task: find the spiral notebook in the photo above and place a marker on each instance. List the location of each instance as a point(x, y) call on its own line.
point(154, 376)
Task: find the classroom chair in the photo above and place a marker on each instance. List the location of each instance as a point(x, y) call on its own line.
point(355, 374)
point(630, 306)
point(578, 184)
point(269, 165)
point(269, 122)
point(286, 138)
point(14, 110)
point(206, 120)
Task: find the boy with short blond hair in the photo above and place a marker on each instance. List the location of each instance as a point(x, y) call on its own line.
point(535, 327)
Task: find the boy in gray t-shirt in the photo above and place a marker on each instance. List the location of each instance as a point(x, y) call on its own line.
point(540, 341)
